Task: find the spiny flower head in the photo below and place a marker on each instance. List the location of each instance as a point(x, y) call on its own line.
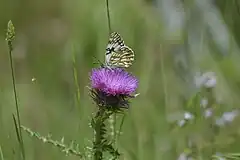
point(113, 81)
point(112, 87)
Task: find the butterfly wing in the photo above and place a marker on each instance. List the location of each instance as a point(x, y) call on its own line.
point(117, 53)
point(114, 45)
point(122, 58)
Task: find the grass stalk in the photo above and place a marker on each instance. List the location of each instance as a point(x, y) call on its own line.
point(75, 75)
point(120, 128)
point(164, 77)
point(10, 36)
point(112, 121)
point(108, 17)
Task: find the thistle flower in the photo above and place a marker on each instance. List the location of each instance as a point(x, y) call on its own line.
point(112, 87)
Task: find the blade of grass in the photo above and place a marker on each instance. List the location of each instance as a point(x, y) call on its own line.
point(18, 135)
point(112, 125)
point(1, 153)
point(120, 127)
point(164, 78)
point(16, 128)
point(75, 75)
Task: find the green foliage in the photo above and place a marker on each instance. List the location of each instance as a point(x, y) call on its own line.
point(171, 43)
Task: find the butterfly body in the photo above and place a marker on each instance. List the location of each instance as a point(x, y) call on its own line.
point(117, 53)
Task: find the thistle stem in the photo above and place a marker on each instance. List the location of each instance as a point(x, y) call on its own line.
point(98, 135)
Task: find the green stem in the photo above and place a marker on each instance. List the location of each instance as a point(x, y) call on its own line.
point(108, 17)
point(98, 136)
point(9, 38)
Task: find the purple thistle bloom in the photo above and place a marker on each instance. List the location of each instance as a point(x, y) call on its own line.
point(112, 87)
point(114, 81)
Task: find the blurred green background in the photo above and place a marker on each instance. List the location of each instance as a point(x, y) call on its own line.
point(172, 40)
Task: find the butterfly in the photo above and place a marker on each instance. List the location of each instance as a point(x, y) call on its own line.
point(117, 53)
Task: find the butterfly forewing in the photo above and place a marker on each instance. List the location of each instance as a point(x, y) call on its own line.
point(117, 53)
point(115, 43)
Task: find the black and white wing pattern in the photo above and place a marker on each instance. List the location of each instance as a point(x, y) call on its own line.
point(117, 53)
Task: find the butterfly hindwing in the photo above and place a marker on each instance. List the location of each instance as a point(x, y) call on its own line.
point(117, 53)
point(123, 58)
